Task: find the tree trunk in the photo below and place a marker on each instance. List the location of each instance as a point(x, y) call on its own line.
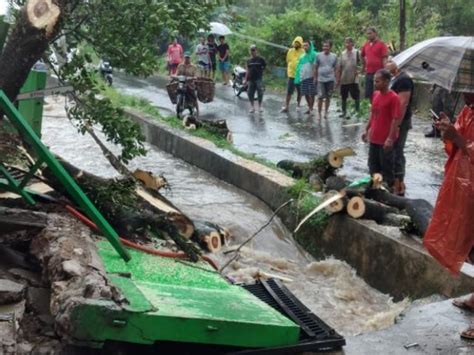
point(359, 207)
point(420, 212)
point(218, 127)
point(324, 166)
point(37, 25)
point(132, 210)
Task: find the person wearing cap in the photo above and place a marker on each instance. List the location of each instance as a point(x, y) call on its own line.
point(188, 69)
point(254, 77)
point(292, 57)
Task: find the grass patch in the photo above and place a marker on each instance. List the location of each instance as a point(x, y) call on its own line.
point(306, 201)
point(146, 107)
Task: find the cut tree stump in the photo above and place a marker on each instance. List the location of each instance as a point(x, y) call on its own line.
point(323, 166)
point(218, 127)
point(336, 206)
point(359, 207)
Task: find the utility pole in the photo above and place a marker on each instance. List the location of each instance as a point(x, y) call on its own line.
point(402, 27)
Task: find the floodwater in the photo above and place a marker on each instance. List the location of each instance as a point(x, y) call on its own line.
point(276, 136)
point(330, 287)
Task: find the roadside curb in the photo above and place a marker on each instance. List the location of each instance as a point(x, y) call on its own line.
point(386, 258)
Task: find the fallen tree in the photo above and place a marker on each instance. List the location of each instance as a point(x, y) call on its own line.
point(133, 210)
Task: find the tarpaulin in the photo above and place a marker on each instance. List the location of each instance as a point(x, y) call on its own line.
point(450, 235)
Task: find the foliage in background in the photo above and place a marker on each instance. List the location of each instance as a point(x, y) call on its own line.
point(279, 22)
point(125, 33)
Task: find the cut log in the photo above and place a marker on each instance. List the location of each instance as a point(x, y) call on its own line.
point(218, 127)
point(335, 206)
point(377, 180)
point(149, 180)
point(131, 210)
point(205, 234)
point(387, 198)
point(359, 207)
point(324, 166)
point(420, 212)
point(37, 24)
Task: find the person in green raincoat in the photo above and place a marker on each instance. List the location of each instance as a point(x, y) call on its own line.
point(305, 75)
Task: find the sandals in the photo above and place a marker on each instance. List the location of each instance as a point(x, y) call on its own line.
point(462, 304)
point(468, 334)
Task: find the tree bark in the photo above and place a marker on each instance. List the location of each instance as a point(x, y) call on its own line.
point(37, 25)
point(359, 207)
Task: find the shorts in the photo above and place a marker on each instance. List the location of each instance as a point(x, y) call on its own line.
point(291, 86)
point(173, 66)
point(308, 87)
point(224, 66)
point(325, 89)
point(203, 65)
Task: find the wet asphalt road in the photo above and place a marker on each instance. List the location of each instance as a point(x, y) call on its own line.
point(276, 136)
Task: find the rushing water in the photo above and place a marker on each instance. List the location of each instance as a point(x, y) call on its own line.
point(330, 288)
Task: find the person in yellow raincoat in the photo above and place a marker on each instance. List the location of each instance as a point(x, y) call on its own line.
point(292, 57)
point(450, 235)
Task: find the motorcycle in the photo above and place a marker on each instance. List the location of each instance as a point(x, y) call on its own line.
point(238, 78)
point(186, 96)
point(106, 71)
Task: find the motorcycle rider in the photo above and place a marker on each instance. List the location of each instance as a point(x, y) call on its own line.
point(188, 69)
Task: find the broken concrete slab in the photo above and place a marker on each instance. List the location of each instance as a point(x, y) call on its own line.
point(10, 316)
point(14, 219)
point(11, 292)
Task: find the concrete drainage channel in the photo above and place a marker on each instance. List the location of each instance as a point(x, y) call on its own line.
point(388, 260)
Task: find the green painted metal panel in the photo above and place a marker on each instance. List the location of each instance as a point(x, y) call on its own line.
point(189, 304)
point(32, 110)
point(66, 180)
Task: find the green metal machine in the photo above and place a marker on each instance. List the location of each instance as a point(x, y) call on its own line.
point(171, 301)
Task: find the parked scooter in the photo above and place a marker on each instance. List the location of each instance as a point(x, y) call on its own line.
point(186, 96)
point(106, 71)
point(238, 78)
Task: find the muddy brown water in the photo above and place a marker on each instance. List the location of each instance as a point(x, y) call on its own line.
point(330, 287)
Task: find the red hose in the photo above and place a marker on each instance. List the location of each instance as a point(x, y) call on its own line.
point(152, 251)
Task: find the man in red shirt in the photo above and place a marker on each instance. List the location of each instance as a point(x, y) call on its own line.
point(374, 54)
point(382, 130)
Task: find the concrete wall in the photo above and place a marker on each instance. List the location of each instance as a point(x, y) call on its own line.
point(386, 259)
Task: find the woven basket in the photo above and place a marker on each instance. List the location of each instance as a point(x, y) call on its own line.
point(205, 89)
point(172, 89)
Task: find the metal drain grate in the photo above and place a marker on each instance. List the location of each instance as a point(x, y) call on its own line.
point(315, 335)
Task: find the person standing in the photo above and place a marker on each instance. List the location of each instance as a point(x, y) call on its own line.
point(204, 61)
point(326, 76)
point(174, 56)
point(381, 130)
point(449, 237)
point(211, 44)
point(254, 77)
point(374, 54)
point(441, 101)
point(292, 57)
point(403, 85)
point(305, 75)
point(347, 75)
point(223, 50)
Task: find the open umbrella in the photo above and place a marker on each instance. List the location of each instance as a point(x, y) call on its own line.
point(219, 29)
point(445, 61)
